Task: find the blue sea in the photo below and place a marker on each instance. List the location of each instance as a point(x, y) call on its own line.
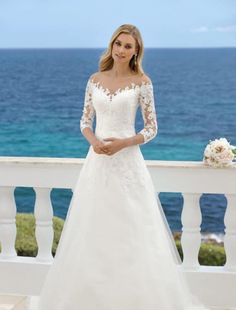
point(41, 102)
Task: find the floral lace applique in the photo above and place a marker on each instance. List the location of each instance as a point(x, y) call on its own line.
point(88, 110)
point(147, 105)
point(111, 94)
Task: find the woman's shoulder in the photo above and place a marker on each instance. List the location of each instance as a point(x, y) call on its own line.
point(95, 77)
point(144, 78)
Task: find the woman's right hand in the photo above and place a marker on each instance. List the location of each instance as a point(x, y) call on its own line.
point(98, 147)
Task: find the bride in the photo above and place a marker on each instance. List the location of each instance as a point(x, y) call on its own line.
point(115, 251)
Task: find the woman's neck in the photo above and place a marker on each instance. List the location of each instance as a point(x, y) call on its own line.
point(120, 71)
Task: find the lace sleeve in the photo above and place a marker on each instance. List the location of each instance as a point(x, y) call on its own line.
point(147, 105)
point(88, 110)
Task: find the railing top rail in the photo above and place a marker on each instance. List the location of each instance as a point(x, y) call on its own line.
point(40, 160)
point(66, 160)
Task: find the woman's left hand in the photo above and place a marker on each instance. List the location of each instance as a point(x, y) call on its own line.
point(114, 146)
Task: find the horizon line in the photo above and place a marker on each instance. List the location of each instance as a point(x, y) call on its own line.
point(148, 47)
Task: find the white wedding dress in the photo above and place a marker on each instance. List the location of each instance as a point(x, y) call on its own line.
point(115, 251)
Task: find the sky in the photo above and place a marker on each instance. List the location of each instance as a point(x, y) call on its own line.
point(88, 23)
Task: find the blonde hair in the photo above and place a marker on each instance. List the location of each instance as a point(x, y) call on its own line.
point(106, 61)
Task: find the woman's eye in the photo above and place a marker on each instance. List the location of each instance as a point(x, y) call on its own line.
point(127, 46)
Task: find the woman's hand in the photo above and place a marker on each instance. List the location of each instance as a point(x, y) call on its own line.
point(114, 146)
point(98, 147)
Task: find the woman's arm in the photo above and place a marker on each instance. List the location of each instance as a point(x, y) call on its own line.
point(147, 105)
point(86, 121)
point(88, 114)
point(137, 139)
point(89, 135)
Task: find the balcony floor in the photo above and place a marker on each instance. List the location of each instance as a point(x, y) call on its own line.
point(19, 303)
point(12, 302)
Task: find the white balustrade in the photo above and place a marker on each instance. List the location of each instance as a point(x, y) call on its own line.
point(191, 179)
point(191, 237)
point(44, 226)
point(230, 233)
point(7, 222)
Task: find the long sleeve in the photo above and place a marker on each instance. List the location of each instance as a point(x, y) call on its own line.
point(88, 110)
point(147, 105)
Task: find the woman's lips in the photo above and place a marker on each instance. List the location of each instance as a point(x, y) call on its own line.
point(120, 56)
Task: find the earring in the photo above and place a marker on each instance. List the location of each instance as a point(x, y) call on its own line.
point(135, 59)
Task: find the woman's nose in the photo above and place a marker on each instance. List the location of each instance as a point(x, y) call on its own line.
point(121, 49)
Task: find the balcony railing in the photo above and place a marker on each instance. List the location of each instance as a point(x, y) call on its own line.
point(25, 275)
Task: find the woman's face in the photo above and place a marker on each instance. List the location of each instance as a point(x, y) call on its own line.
point(123, 48)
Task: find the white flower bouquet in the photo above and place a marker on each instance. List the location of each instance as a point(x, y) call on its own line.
point(219, 153)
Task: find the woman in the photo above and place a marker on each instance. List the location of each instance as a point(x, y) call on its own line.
point(115, 251)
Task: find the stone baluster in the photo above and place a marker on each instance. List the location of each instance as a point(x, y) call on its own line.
point(44, 225)
point(7, 222)
point(230, 233)
point(191, 235)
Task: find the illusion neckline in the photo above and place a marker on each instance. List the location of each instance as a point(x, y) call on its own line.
point(119, 90)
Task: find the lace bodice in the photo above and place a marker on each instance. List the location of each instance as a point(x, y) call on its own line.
point(115, 111)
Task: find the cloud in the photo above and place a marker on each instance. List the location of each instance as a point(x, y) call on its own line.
point(200, 29)
point(230, 28)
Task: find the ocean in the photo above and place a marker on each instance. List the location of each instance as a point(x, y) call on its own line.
point(41, 102)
